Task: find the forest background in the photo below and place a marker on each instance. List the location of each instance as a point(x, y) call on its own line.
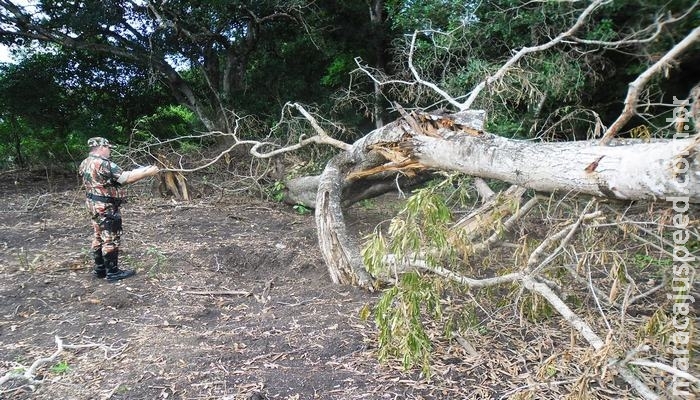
point(121, 70)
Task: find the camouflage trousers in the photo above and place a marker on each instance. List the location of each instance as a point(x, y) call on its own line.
point(106, 226)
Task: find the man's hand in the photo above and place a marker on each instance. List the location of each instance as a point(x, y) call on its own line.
point(150, 170)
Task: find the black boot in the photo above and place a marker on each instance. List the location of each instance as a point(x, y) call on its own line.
point(113, 272)
point(99, 270)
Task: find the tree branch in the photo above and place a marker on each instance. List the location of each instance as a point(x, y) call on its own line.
point(657, 28)
point(641, 81)
point(671, 370)
point(528, 281)
point(526, 50)
point(29, 374)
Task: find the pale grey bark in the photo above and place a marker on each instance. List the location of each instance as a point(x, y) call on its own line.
point(420, 142)
point(642, 171)
point(339, 250)
point(630, 170)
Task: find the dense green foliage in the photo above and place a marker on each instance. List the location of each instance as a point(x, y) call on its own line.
point(52, 103)
point(101, 67)
point(552, 92)
point(220, 60)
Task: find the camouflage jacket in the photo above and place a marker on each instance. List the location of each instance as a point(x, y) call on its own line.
point(100, 177)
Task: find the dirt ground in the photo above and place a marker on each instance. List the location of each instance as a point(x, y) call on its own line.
point(231, 301)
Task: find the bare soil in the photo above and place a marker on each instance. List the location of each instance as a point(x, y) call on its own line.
point(231, 300)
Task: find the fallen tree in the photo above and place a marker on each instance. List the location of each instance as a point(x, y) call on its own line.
point(619, 169)
point(410, 150)
point(624, 169)
point(630, 170)
point(414, 147)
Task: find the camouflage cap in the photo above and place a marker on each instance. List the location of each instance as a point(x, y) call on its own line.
point(99, 141)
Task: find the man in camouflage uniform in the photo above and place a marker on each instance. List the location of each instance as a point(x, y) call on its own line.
point(104, 181)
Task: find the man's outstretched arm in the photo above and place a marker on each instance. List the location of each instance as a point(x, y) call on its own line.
point(137, 174)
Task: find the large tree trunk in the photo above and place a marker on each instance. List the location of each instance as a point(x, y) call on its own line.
point(630, 170)
point(640, 171)
point(626, 170)
point(337, 247)
point(303, 190)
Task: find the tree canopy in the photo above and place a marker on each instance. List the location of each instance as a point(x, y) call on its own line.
point(227, 59)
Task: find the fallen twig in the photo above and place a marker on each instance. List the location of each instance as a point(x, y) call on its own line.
point(109, 395)
point(507, 226)
point(671, 370)
point(465, 344)
point(219, 292)
point(29, 374)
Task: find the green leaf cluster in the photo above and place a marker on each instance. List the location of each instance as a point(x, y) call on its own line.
point(218, 62)
point(51, 103)
point(420, 231)
point(422, 225)
point(400, 315)
point(471, 43)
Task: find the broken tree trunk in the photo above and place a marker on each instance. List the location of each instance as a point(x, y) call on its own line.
point(171, 180)
point(337, 247)
point(420, 142)
point(302, 190)
point(628, 170)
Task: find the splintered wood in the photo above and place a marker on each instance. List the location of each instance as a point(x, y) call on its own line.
point(399, 155)
point(172, 181)
point(399, 158)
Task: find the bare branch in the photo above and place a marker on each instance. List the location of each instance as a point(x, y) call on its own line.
point(483, 189)
point(657, 28)
point(573, 319)
point(526, 50)
point(638, 84)
point(565, 235)
point(321, 137)
point(671, 370)
point(398, 266)
point(507, 225)
point(29, 374)
point(430, 85)
point(367, 70)
point(493, 78)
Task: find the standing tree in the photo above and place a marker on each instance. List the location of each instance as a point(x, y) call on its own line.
point(51, 103)
point(203, 53)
